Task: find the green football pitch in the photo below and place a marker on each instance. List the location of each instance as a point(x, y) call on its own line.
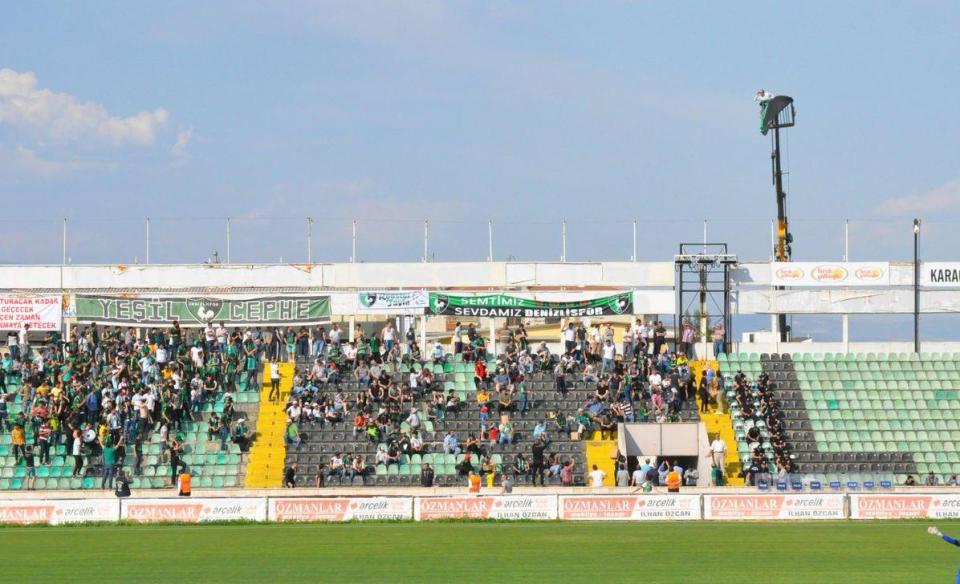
point(480, 552)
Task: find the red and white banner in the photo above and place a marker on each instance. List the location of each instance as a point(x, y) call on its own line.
point(630, 507)
point(905, 506)
point(773, 506)
point(481, 507)
point(339, 509)
point(192, 510)
point(42, 313)
point(826, 274)
point(59, 512)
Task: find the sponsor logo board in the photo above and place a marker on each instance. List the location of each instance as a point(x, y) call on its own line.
point(843, 274)
point(630, 507)
point(480, 507)
point(905, 506)
point(58, 512)
point(194, 510)
point(340, 509)
point(795, 506)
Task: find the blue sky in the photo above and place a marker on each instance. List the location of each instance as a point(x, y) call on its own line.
point(525, 114)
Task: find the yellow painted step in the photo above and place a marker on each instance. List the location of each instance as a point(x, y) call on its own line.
point(268, 454)
point(722, 424)
point(602, 453)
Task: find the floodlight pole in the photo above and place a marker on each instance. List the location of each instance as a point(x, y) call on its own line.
point(916, 285)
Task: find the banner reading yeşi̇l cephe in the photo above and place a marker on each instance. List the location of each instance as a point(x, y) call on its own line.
point(161, 311)
point(506, 305)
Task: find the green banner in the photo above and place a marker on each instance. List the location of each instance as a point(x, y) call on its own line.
point(200, 310)
point(504, 305)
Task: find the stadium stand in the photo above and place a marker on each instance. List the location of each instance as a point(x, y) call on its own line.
point(862, 417)
point(447, 398)
point(156, 401)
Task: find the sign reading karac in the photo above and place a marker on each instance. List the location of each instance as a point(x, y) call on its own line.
point(493, 507)
point(630, 507)
point(57, 512)
point(194, 510)
point(341, 509)
point(787, 506)
point(41, 313)
point(825, 274)
point(940, 274)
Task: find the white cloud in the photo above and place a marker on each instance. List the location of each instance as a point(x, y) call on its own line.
point(21, 163)
point(943, 198)
point(61, 117)
point(183, 138)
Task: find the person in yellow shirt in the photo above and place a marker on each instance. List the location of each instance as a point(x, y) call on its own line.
point(483, 396)
point(19, 439)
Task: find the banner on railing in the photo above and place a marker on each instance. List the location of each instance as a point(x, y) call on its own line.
point(194, 510)
point(340, 508)
point(57, 512)
point(507, 305)
point(772, 506)
point(201, 310)
point(905, 506)
point(825, 274)
point(629, 507)
point(396, 302)
point(42, 313)
point(486, 507)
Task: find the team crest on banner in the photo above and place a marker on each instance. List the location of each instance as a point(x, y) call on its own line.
point(204, 309)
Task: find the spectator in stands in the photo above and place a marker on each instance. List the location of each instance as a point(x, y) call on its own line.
point(910, 481)
point(691, 476)
point(426, 475)
point(451, 444)
point(597, 477)
point(537, 465)
point(609, 352)
point(622, 477)
point(931, 480)
point(290, 476)
point(719, 338)
point(718, 451)
point(952, 481)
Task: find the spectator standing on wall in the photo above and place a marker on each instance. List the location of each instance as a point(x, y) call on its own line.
point(596, 477)
point(718, 451)
point(687, 338)
point(719, 337)
point(426, 475)
point(623, 477)
point(290, 476)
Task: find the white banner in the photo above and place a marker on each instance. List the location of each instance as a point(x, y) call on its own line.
point(905, 506)
point(42, 313)
point(826, 274)
point(59, 512)
point(940, 274)
point(194, 510)
point(630, 507)
point(773, 506)
point(483, 507)
point(340, 509)
point(394, 302)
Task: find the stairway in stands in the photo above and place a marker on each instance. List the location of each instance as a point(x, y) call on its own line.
point(268, 452)
point(720, 423)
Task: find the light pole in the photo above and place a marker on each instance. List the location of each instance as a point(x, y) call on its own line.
point(916, 285)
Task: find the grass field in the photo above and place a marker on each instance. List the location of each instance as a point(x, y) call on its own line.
point(479, 552)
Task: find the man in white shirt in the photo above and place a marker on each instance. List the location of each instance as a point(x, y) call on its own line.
point(221, 332)
point(12, 345)
point(609, 351)
point(639, 475)
point(718, 451)
point(24, 338)
point(458, 339)
point(596, 477)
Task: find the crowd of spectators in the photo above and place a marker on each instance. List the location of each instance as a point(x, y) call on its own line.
point(104, 391)
point(641, 380)
point(761, 413)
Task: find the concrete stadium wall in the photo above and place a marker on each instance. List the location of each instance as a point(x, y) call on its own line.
point(568, 505)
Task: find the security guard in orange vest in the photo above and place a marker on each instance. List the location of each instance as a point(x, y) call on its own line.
point(673, 480)
point(183, 484)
